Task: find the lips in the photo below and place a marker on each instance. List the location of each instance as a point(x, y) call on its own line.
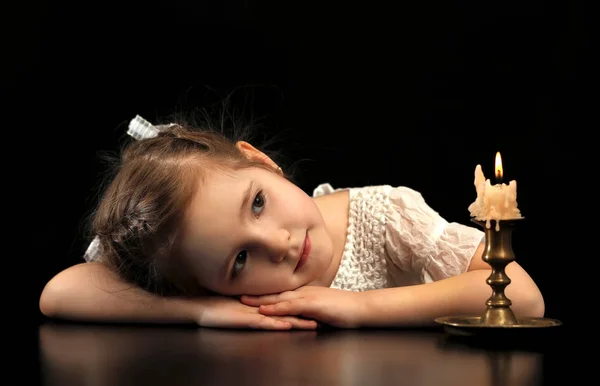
point(306, 247)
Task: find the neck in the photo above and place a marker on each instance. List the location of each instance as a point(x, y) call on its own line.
point(334, 208)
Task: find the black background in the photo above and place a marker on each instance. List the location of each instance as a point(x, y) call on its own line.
point(362, 94)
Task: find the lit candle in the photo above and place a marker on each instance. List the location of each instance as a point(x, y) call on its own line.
point(494, 202)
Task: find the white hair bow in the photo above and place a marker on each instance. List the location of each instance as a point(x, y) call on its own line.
point(139, 128)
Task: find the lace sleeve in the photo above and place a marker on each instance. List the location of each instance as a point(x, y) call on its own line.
point(418, 239)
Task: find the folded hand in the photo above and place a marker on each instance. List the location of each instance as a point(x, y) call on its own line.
point(224, 312)
point(334, 307)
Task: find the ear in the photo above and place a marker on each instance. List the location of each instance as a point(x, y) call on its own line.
point(254, 154)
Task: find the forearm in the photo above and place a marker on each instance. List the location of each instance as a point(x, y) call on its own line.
point(464, 294)
point(92, 292)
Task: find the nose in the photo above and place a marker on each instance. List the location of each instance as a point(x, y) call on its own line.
point(277, 244)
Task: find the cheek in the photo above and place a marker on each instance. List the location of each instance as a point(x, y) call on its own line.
point(294, 202)
point(262, 282)
point(205, 273)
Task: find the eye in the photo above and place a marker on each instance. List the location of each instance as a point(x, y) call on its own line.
point(258, 203)
point(238, 264)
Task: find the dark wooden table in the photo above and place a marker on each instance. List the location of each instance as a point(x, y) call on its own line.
point(99, 355)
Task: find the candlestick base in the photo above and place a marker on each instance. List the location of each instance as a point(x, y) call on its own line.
point(474, 326)
point(498, 317)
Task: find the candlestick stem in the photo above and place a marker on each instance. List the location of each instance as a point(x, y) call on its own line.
point(498, 253)
point(498, 317)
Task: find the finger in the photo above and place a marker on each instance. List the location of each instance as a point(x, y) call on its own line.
point(298, 323)
point(267, 299)
point(288, 307)
point(248, 320)
point(260, 300)
point(262, 322)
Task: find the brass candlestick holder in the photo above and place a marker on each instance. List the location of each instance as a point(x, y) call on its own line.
point(498, 315)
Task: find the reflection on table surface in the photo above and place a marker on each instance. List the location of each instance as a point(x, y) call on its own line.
point(73, 354)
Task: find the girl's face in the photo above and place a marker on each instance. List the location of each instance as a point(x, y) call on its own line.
point(252, 232)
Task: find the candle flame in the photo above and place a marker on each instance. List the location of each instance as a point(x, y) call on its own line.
point(498, 167)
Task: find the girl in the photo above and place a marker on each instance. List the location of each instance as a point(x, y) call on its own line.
point(198, 228)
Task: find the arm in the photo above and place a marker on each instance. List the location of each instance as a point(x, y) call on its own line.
point(463, 294)
point(93, 292)
point(415, 305)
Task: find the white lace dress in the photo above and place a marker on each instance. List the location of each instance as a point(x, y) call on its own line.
point(395, 239)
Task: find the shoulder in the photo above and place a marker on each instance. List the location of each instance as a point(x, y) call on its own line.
point(327, 188)
point(396, 197)
point(403, 195)
point(323, 190)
